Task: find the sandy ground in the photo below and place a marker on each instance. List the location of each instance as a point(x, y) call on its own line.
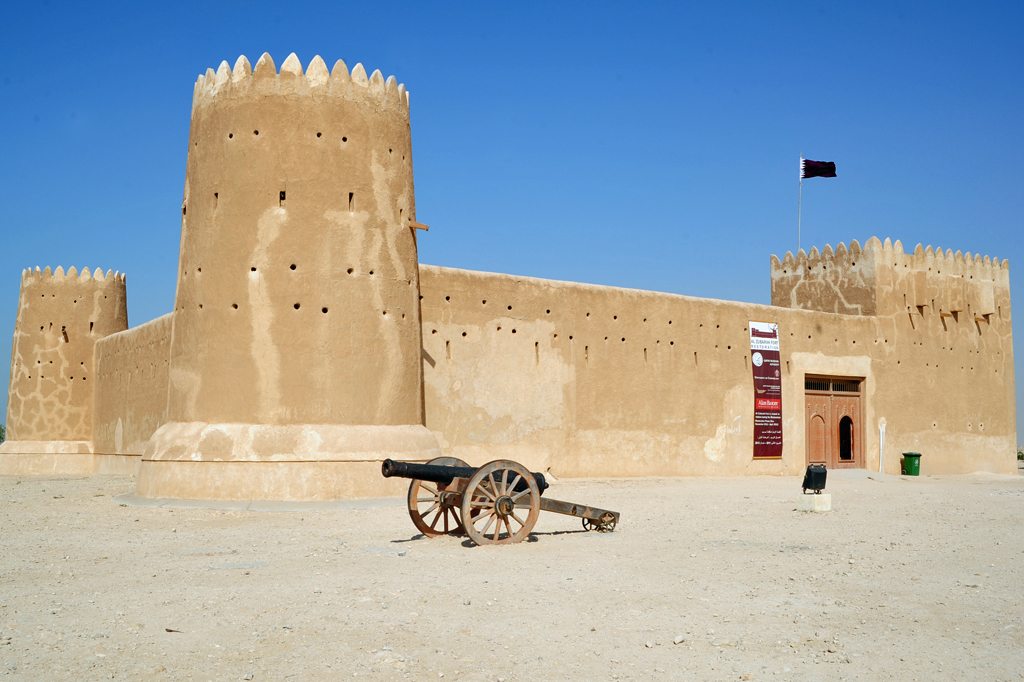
point(906, 579)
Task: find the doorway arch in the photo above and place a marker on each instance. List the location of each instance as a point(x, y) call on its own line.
point(846, 439)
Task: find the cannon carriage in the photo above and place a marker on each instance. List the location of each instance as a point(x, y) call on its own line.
point(498, 503)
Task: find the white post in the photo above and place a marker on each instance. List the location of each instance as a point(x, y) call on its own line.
point(881, 448)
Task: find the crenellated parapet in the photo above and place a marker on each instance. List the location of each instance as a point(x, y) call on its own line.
point(883, 279)
point(264, 80)
point(61, 316)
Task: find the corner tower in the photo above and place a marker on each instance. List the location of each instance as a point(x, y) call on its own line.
point(50, 401)
point(296, 350)
point(883, 280)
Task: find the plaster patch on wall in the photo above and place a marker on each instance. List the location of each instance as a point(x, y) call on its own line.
point(508, 390)
point(264, 350)
point(735, 408)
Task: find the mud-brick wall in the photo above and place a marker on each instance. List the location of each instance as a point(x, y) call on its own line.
point(131, 387)
point(589, 380)
point(599, 381)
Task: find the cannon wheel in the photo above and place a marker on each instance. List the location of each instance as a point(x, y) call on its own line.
point(426, 501)
point(494, 508)
point(606, 524)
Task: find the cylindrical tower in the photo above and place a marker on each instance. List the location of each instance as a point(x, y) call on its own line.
point(296, 350)
point(50, 401)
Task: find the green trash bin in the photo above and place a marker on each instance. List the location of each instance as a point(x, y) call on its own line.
point(911, 463)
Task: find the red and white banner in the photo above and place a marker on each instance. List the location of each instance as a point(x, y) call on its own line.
point(764, 359)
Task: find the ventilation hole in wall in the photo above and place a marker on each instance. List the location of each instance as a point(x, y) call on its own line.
point(319, 134)
point(281, 199)
point(75, 301)
point(255, 132)
point(403, 316)
point(718, 326)
point(344, 139)
point(671, 343)
point(200, 306)
point(623, 339)
point(292, 266)
point(548, 312)
point(230, 135)
point(351, 201)
point(645, 319)
point(513, 331)
point(499, 329)
point(297, 306)
point(390, 150)
point(384, 312)
point(199, 269)
point(433, 331)
point(350, 272)
point(235, 306)
point(510, 307)
point(670, 322)
point(615, 317)
point(371, 272)
point(556, 336)
point(570, 337)
point(447, 298)
point(90, 330)
point(483, 302)
point(253, 269)
point(463, 333)
point(588, 314)
point(323, 310)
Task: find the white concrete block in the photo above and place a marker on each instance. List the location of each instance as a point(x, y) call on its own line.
point(814, 503)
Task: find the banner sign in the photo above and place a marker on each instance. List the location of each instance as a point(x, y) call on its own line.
point(764, 358)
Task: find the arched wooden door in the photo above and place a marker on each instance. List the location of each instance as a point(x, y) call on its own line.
point(833, 421)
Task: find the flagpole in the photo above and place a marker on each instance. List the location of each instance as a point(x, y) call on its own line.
point(799, 202)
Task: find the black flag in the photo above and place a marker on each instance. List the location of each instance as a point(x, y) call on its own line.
point(817, 169)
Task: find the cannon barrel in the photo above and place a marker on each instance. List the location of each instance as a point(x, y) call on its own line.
point(442, 474)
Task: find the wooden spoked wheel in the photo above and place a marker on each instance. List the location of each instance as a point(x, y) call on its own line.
point(500, 504)
point(433, 508)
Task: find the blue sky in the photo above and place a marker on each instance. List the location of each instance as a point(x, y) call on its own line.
point(632, 144)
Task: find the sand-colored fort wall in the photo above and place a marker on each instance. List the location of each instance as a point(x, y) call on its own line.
point(60, 318)
point(131, 393)
point(598, 381)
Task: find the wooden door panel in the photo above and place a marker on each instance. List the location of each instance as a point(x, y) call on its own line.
point(818, 419)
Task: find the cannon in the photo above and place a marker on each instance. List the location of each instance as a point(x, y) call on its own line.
point(495, 504)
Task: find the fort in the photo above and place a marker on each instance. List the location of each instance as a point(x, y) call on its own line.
point(307, 342)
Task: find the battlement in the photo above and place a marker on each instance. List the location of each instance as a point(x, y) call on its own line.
point(881, 278)
point(29, 275)
point(263, 80)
